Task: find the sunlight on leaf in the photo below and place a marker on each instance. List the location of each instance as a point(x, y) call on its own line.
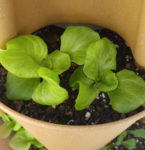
point(57, 61)
point(24, 55)
point(49, 91)
point(75, 40)
point(130, 93)
point(100, 56)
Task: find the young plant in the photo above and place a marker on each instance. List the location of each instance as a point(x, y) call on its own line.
point(129, 144)
point(125, 88)
point(23, 59)
point(21, 140)
point(9, 125)
point(27, 61)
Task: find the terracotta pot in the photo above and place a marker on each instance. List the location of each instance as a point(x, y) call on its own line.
point(124, 17)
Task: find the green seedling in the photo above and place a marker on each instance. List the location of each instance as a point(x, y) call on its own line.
point(27, 61)
point(129, 144)
point(21, 139)
point(33, 72)
point(98, 74)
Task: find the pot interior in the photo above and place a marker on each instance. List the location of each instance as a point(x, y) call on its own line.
point(124, 17)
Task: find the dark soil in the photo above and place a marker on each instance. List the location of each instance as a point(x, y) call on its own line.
point(98, 112)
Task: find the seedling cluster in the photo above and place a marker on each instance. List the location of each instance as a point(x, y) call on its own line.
point(21, 140)
point(33, 72)
point(129, 144)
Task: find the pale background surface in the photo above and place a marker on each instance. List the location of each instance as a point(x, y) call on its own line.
point(4, 143)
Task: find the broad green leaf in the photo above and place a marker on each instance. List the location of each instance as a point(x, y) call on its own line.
point(86, 96)
point(36, 143)
point(100, 56)
point(57, 61)
point(5, 118)
point(17, 126)
point(8, 126)
point(75, 40)
point(79, 76)
point(121, 138)
point(87, 93)
point(130, 144)
point(108, 81)
point(106, 148)
point(6, 129)
point(138, 133)
point(21, 140)
point(20, 88)
point(42, 148)
point(49, 92)
point(1, 50)
point(24, 55)
point(47, 73)
point(32, 45)
point(130, 93)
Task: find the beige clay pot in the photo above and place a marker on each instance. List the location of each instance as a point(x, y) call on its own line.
point(125, 17)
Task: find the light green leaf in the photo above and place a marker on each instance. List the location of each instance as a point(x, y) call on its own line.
point(36, 143)
point(87, 93)
point(75, 40)
point(20, 88)
point(9, 122)
point(32, 45)
point(57, 61)
point(100, 56)
point(108, 147)
point(105, 148)
point(121, 138)
point(130, 144)
point(130, 93)
point(5, 118)
point(49, 92)
point(24, 55)
point(86, 96)
point(79, 76)
point(6, 129)
point(42, 148)
point(138, 133)
point(1, 50)
point(46, 73)
point(108, 81)
point(17, 126)
point(21, 140)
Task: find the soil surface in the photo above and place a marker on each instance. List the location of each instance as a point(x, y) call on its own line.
point(98, 112)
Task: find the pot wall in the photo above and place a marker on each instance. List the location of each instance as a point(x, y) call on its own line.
point(125, 17)
point(7, 21)
point(62, 137)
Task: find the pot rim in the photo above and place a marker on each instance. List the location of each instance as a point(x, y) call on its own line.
point(9, 110)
